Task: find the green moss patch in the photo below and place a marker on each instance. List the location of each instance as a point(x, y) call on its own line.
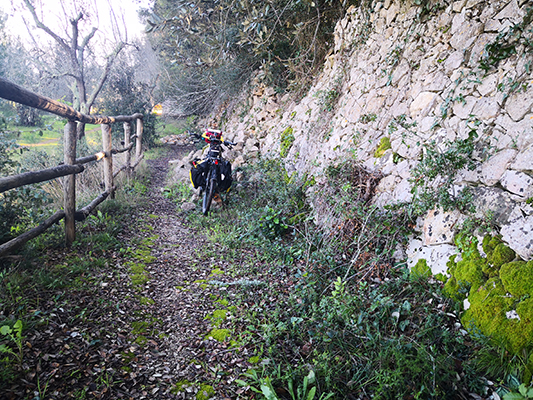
point(254, 360)
point(223, 302)
point(181, 386)
point(498, 289)
point(205, 392)
point(139, 275)
point(217, 317)
point(517, 278)
point(146, 301)
point(420, 270)
point(287, 139)
point(384, 145)
point(216, 271)
point(219, 335)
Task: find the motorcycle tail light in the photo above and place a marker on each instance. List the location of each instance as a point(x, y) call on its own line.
point(216, 162)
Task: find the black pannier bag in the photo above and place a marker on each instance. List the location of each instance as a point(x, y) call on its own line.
point(225, 176)
point(197, 173)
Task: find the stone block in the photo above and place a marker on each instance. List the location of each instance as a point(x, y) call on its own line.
point(518, 183)
point(521, 131)
point(403, 169)
point(492, 201)
point(493, 169)
point(524, 160)
point(423, 102)
point(458, 21)
point(469, 176)
point(436, 256)
point(464, 109)
point(458, 6)
point(488, 86)
point(478, 51)
point(402, 192)
point(453, 61)
point(519, 236)
point(466, 35)
point(406, 147)
point(519, 104)
point(473, 3)
point(391, 13)
point(439, 227)
point(436, 82)
point(511, 12)
point(388, 184)
point(486, 108)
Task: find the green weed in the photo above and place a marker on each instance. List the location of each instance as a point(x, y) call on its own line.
point(14, 336)
point(338, 315)
point(432, 178)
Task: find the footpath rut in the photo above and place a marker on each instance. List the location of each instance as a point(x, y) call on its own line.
point(186, 359)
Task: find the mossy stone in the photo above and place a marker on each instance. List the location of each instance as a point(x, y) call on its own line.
point(517, 278)
point(384, 145)
point(287, 139)
point(420, 270)
point(501, 255)
point(452, 290)
point(205, 392)
point(500, 293)
point(489, 244)
point(470, 272)
point(488, 307)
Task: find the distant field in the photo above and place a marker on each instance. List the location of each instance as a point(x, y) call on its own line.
point(49, 136)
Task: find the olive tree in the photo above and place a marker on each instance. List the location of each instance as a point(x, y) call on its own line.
point(76, 46)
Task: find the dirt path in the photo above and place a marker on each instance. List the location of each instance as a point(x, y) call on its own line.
point(140, 325)
point(182, 359)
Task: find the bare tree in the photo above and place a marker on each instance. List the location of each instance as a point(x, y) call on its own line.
point(75, 45)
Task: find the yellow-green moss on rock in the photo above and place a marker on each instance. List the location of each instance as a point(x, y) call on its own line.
point(497, 253)
point(488, 314)
point(384, 145)
point(468, 273)
point(517, 278)
point(420, 270)
point(499, 290)
point(287, 139)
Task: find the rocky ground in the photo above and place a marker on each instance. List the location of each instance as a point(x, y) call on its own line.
point(141, 325)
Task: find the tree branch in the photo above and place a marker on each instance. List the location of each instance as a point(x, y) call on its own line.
point(110, 60)
point(42, 26)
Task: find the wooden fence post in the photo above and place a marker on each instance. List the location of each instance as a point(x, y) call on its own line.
point(138, 144)
point(69, 189)
point(127, 141)
point(108, 160)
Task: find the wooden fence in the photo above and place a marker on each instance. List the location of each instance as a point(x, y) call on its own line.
point(71, 165)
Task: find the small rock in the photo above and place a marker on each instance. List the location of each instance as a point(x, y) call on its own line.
point(188, 206)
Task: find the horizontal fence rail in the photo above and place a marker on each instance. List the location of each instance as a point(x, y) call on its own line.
point(71, 165)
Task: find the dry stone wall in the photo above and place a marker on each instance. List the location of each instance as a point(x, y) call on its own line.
point(396, 81)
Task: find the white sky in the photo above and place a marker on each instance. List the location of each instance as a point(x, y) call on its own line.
point(52, 14)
